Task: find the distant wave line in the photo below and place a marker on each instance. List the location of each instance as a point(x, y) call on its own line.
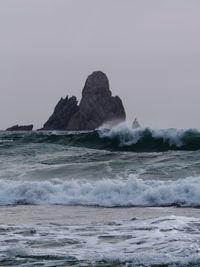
point(118, 138)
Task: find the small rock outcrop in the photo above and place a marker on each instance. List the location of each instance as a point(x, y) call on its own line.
point(20, 128)
point(96, 107)
point(62, 114)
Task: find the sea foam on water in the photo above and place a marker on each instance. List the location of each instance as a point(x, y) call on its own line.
point(128, 192)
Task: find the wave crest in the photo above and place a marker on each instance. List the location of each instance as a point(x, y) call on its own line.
point(118, 138)
point(105, 193)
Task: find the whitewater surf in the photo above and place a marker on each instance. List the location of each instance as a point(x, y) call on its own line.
point(119, 138)
point(109, 197)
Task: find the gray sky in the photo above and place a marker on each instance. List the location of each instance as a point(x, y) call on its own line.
point(150, 50)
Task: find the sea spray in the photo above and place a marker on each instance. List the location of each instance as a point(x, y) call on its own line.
point(118, 138)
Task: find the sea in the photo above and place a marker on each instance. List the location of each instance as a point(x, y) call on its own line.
point(110, 197)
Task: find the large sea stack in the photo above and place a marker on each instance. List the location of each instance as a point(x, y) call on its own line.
point(96, 107)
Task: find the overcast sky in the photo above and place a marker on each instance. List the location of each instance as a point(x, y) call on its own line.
point(149, 49)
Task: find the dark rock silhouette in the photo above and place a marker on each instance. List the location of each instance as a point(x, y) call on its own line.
point(63, 112)
point(96, 107)
point(20, 128)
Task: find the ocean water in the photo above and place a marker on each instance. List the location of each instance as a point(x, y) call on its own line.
point(110, 197)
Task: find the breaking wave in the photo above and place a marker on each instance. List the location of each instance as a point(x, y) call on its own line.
point(106, 193)
point(119, 138)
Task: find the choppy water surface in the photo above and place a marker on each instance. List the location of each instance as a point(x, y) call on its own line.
point(167, 241)
point(113, 168)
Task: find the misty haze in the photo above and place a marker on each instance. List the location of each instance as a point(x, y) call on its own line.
point(99, 133)
point(148, 49)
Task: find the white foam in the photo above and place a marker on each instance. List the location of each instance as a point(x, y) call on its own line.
point(165, 240)
point(107, 192)
point(126, 134)
point(130, 136)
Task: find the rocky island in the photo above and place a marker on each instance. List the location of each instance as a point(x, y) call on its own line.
point(96, 107)
point(20, 128)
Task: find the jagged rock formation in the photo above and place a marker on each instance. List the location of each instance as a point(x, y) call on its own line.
point(62, 114)
point(96, 107)
point(20, 128)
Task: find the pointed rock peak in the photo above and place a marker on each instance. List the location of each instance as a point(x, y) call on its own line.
point(97, 83)
point(96, 107)
point(63, 112)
